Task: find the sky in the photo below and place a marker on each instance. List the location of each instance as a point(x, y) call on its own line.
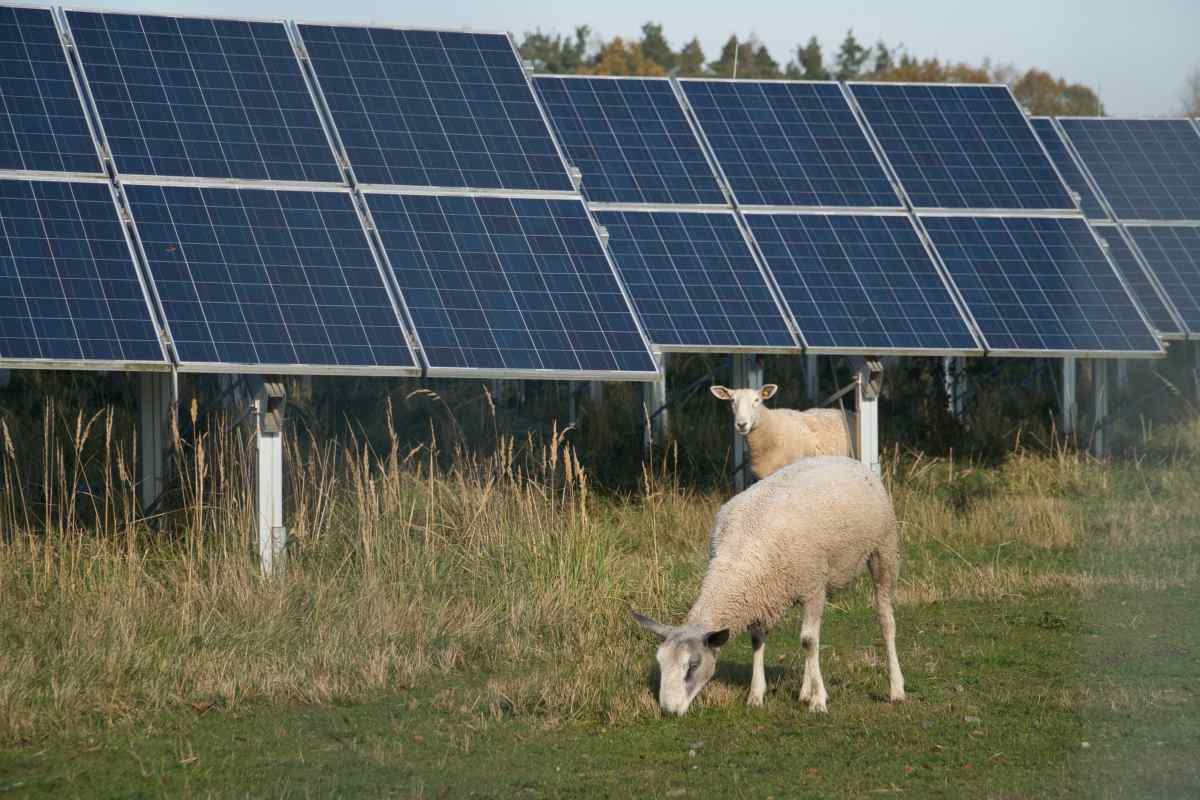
point(1135, 54)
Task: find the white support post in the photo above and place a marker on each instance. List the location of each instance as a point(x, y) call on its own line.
point(269, 405)
point(954, 369)
point(1123, 374)
point(1067, 406)
point(596, 392)
point(812, 379)
point(156, 403)
point(654, 399)
point(573, 388)
point(1099, 407)
point(868, 384)
point(747, 374)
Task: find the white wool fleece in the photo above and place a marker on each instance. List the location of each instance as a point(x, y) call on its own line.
point(780, 436)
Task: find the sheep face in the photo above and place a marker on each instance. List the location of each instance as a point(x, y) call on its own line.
point(747, 404)
point(687, 657)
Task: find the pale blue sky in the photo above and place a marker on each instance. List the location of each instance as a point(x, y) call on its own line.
point(1136, 53)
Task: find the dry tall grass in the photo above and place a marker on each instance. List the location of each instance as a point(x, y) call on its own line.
point(505, 569)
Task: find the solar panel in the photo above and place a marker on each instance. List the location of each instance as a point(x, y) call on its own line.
point(1039, 285)
point(782, 143)
point(517, 286)
point(630, 138)
point(1159, 314)
point(1062, 158)
point(860, 283)
point(426, 108)
point(956, 146)
point(1146, 168)
point(694, 280)
point(69, 290)
point(273, 279)
point(202, 98)
point(1173, 254)
point(42, 124)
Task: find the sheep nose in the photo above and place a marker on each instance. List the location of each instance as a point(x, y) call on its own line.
point(742, 427)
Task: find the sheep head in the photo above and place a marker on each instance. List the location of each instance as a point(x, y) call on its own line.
point(687, 657)
point(747, 404)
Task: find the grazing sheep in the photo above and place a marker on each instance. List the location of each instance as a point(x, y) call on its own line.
point(779, 436)
point(806, 530)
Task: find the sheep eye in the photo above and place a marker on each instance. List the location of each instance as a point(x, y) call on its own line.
point(695, 662)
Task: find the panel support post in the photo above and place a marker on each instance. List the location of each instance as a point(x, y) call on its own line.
point(868, 384)
point(1123, 374)
point(5, 376)
point(1067, 407)
point(1099, 407)
point(269, 405)
point(596, 392)
point(747, 374)
point(573, 389)
point(955, 381)
point(156, 404)
point(654, 402)
point(812, 380)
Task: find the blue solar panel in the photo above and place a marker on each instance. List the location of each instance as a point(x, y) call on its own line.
point(961, 146)
point(630, 138)
point(789, 144)
point(1173, 254)
point(1137, 279)
point(69, 290)
point(1062, 158)
point(1039, 284)
point(694, 280)
point(267, 278)
point(860, 282)
point(204, 98)
point(42, 125)
point(506, 284)
point(423, 108)
point(1146, 168)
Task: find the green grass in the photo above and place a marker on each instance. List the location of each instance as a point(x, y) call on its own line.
point(465, 632)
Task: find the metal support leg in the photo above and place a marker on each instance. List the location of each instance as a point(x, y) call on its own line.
point(596, 392)
point(1067, 406)
point(156, 402)
point(573, 388)
point(269, 405)
point(1099, 407)
point(747, 374)
point(955, 381)
point(868, 383)
point(1123, 374)
point(5, 377)
point(812, 380)
point(654, 400)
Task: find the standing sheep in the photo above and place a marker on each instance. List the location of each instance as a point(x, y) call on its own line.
point(779, 436)
point(806, 530)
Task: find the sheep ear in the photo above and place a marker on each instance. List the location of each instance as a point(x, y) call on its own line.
point(657, 628)
point(769, 391)
point(716, 639)
point(720, 392)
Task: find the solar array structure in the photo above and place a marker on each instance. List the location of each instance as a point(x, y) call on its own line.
point(262, 196)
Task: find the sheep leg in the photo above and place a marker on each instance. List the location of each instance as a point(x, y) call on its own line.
point(758, 677)
point(883, 572)
point(813, 688)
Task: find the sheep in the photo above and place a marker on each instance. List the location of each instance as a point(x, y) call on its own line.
point(789, 539)
point(778, 436)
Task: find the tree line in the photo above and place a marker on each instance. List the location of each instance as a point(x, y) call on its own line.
point(652, 54)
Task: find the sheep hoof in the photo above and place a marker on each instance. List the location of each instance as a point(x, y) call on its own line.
point(898, 697)
point(817, 707)
point(754, 700)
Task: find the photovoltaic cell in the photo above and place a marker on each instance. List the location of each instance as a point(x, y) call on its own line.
point(424, 108)
point(694, 280)
point(1039, 284)
point(267, 278)
point(961, 146)
point(42, 125)
point(630, 138)
point(860, 282)
point(203, 98)
point(789, 144)
point(1146, 168)
point(1067, 167)
point(508, 284)
point(69, 290)
point(1173, 253)
point(1135, 276)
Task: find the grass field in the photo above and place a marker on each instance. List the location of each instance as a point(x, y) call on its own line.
point(463, 630)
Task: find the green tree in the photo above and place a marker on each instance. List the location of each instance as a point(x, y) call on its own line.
point(885, 58)
point(809, 63)
point(691, 60)
point(752, 58)
point(619, 57)
point(932, 70)
point(851, 58)
point(556, 53)
point(1042, 93)
point(655, 47)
